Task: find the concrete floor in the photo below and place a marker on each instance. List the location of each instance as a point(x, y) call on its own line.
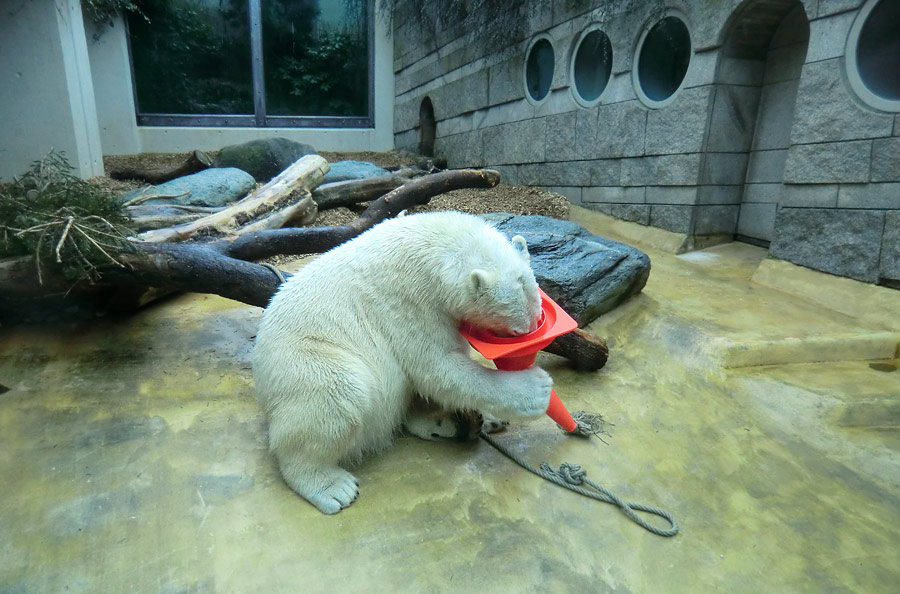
point(133, 456)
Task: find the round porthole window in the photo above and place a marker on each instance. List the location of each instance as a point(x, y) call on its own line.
point(662, 59)
point(539, 69)
point(591, 67)
point(873, 55)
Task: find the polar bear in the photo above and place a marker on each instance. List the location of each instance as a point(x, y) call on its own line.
point(348, 342)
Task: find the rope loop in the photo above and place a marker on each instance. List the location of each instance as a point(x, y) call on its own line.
point(572, 477)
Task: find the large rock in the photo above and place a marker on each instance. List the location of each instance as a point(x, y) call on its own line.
point(586, 274)
point(347, 170)
point(210, 187)
point(263, 159)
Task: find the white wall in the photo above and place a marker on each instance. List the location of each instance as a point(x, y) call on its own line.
point(46, 96)
point(108, 50)
point(121, 135)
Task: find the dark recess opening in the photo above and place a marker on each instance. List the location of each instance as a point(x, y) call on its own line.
point(593, 65)
point(878, 50)
point(427, 128)
point(539, 69)
point(664, 59)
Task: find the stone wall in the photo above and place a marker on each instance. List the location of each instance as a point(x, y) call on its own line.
point(763, 140)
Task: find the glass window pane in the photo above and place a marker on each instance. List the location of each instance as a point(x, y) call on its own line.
point(664, 58)
point(316, 56)
point(192, 57)
point(878, 51)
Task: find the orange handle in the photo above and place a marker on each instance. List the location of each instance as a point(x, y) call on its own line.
point(558, 412)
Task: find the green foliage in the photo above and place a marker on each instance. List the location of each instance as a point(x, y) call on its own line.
point(61, 219)
point(191, 58)
point(328, 77)
point(102, 12)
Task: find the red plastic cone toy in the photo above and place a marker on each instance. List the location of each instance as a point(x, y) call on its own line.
point(519, 352)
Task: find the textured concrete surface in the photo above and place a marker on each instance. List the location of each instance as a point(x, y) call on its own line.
point(765, 121)
point(133, 458)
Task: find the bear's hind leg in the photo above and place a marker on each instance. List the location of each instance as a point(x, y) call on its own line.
point(492, 424)
point(328, 487)
point(427, 420)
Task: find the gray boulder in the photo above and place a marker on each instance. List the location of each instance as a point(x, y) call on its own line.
point(263, 159)
point(210, 187)
point(586, 274)
point(347, 170)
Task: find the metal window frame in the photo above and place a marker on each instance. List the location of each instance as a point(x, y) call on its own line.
point(260, 119)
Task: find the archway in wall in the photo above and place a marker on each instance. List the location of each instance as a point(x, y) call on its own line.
point(427, 128)
point(756, 89)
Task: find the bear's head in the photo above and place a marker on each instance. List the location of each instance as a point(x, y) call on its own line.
point(503, 295)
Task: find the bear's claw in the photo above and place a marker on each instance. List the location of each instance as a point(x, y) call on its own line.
point(335, 489)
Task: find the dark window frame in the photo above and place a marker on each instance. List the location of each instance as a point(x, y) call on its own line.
point(260, 119)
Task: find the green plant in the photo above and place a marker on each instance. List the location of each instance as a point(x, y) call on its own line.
point(61, 220)
point(102, 12)
point(188, 60)
point(328, 76)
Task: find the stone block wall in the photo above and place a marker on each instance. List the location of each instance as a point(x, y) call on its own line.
point(763, 141)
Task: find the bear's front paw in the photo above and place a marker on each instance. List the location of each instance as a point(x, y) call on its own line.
point(533, 396)
point(339, 493)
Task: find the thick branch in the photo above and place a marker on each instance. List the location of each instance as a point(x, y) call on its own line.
point(586, 351)
point(197, 161)
point(157, 216)
point(264, 244)
point(354, 191)
point(197, 268)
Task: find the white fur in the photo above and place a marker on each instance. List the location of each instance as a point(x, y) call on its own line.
point(347, 342)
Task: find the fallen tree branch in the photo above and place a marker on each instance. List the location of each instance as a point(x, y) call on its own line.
point(287, 189)
point(354, 191)
point(196, 161)
point(157, 216)
point(312, 240)
point(149, 193)
point(586, 351)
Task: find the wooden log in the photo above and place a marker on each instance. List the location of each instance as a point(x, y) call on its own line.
point(311, 240)
point(159, 216)
point(354, 191)
point(585, 350)
point(196, 161)
point(299, 213)
point(289, 187)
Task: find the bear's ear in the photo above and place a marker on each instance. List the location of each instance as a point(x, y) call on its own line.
point(521, 246)
point(482, 280)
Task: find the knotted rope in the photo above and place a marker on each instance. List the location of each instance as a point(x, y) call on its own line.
point(572, 477)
